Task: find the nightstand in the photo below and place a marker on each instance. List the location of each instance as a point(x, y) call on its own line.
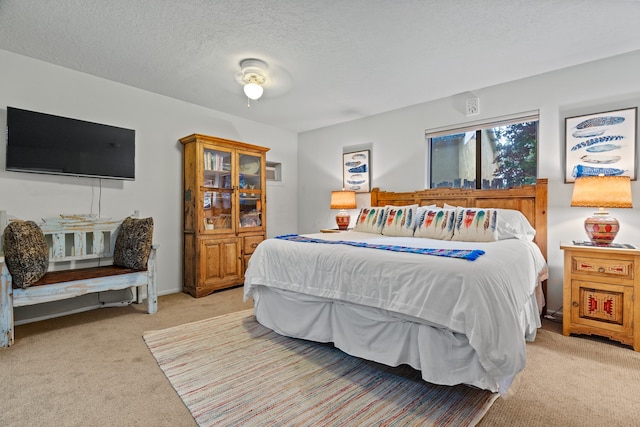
point(332, 230)
point(601, 292)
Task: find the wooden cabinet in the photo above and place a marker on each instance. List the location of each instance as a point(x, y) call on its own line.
point(601, 292)
point(224, 201)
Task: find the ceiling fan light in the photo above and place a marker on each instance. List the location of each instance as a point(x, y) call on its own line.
point(253, 91)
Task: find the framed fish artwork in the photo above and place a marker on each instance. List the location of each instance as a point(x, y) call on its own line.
point(356, 171)
point(601, 143)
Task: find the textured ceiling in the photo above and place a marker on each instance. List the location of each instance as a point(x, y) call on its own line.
point(330, 61)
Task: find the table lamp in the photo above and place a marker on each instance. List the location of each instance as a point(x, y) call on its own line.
point(602, 192)
point(344, 199)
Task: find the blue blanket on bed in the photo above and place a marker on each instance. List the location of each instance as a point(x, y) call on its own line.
point(467, 254)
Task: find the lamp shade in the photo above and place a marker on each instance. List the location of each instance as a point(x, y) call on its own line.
point(344, 199)
point(602, 192)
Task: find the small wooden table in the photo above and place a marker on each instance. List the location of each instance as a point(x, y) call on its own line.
point(331, 230)
point(601, 292)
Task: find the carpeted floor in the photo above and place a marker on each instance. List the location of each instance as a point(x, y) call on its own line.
point(232, 371)
point(574, 381)
point(94, 369)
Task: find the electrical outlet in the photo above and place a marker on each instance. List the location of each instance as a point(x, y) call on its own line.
point(473, 106)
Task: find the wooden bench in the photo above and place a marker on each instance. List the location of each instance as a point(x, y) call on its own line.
point(73, 241)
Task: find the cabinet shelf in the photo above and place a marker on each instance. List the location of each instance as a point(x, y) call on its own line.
point(216, 190)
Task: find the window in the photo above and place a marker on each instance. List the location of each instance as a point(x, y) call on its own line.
point(499, 154)
point(274, 171)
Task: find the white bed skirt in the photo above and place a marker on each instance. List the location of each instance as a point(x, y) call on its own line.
point(442, 356)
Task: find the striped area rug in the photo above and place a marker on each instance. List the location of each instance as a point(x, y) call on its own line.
point(232, 371)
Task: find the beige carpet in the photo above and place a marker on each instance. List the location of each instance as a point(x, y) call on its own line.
point(573, 381)
point(94, 369)
point(231, 371)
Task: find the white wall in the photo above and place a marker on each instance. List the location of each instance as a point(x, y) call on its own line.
point(159, 122)
point(398, 154)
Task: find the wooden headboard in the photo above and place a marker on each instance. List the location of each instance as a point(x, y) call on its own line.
point(531, 200)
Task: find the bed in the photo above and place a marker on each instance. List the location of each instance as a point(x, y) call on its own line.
point(459, 309)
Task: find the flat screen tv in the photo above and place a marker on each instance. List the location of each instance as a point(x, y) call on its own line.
point(44, 143)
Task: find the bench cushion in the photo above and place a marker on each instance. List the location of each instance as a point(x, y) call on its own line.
point(53, 277)
point(133, 243)
point(25, 252)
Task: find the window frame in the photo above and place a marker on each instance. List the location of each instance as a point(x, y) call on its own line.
point(477, 127)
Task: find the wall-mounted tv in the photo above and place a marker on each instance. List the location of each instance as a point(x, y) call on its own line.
point(44, 143)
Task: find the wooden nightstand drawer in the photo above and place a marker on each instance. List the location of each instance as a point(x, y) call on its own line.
point(602, 267)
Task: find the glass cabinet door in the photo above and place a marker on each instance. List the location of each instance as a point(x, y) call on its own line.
point(250, 188)
point(217, 188)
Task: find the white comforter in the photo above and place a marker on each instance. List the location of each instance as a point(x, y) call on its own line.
point(482, 299)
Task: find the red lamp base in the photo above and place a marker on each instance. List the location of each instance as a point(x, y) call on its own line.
point(343, 219)
point(601, 229)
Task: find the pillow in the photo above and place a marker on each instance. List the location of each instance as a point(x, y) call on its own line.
point(400, 220)
point(435, 223)
point(512, 224)
point(25, 252)
point(370, 220)
point(133, 244)
point(476, 225)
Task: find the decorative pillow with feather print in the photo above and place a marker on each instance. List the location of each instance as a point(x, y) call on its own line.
point(400, 220)
point(370, 220)
point(512, 224)
point(476, 225)
point(435, 223)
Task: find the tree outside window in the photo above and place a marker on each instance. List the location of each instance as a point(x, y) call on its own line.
point(516, 154)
